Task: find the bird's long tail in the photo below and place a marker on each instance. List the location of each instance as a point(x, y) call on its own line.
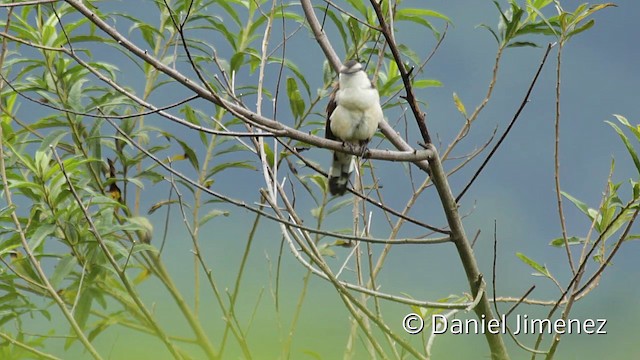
point(340, 171)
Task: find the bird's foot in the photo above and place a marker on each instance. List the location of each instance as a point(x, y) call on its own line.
point(348, 145)
point(363, 147)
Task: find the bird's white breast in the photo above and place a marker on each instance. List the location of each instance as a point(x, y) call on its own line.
point(358, 110)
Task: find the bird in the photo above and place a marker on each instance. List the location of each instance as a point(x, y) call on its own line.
point(353, 115)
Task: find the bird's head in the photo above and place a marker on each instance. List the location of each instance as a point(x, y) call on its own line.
point(350, 67)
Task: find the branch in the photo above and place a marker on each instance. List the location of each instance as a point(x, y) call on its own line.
point(28, 3)
point(361, 289)
point(513, 121)
point(120, 271)
point(435, 170)
point(320, 35)
point(406, 79)
point(34, 261)
point(16, 343)
point(368, 199)
point(274, 128)
point(581, 269)
point(459, 238)
point(314, 253)
point(243, 205)
point(335, 63)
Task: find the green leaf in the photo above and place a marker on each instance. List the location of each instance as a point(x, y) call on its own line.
point(295, 70)
point(539, 4)
point(579, 204)
point(189, 154)
point(295, 98)
point(236, 61)
point(192, 117)
point(617, 224)
point(139, 247)
point(143, 226)
point(23, 267)
point(268, 152)
point(423, 13)
point(409, 53)
point(537, 267)
point(340, 205)
point(136, 182)
point(487, 27)
point(326, 250)
point(559, 242)
point(543, 27)
point(101, 326)
point(42, 161)
point(504, 20)
point(589, 24)
point(320, 181)
point(339, 24)
point(627, 144)
point(83, 307)
point(634, 129)
point(149, 33)
point(420, 20)
point(43, 230)
point(632, 237)
point(513, 24)
point(239, 164)
point(359, 6)
point(354, 29)
point(212, 214)
point(227, 10)
point(317, 211)
point(160, 204)
point(425, 83)
point(231, 149)
point(391, 85)
point(64, 267)
point(459, 105)
point(522, 44)
point(636, 188)
point(393, 71)
point(52, 139)
point(582, 13)
point(7, 247)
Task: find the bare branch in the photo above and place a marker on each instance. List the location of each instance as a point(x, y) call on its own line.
point(506, 132)
point(28, 3)
point(114, 264)
point(335, 63)
point(387, 31)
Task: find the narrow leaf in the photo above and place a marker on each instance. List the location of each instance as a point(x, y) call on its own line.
point(459, 105)
point(559, 242)
point(537, 267)
point(627, 144)
point(579, 204)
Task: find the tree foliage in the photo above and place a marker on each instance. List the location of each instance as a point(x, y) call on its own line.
point(200, 115)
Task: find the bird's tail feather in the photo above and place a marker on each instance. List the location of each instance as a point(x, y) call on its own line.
point(340, 171)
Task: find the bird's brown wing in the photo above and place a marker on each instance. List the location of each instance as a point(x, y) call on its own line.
point(331, 106)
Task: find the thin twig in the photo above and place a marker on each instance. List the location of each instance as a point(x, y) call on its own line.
point(556, 162)
point(387, 31)
point(335, 63)
point(31, 349)
point(112, 261)
point(506, 132)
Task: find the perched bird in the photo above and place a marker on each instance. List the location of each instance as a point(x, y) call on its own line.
point(353, 114)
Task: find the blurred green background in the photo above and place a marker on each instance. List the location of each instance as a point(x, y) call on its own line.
point(600, 78)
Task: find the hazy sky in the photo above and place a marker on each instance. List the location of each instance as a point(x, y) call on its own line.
point(599, 78)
